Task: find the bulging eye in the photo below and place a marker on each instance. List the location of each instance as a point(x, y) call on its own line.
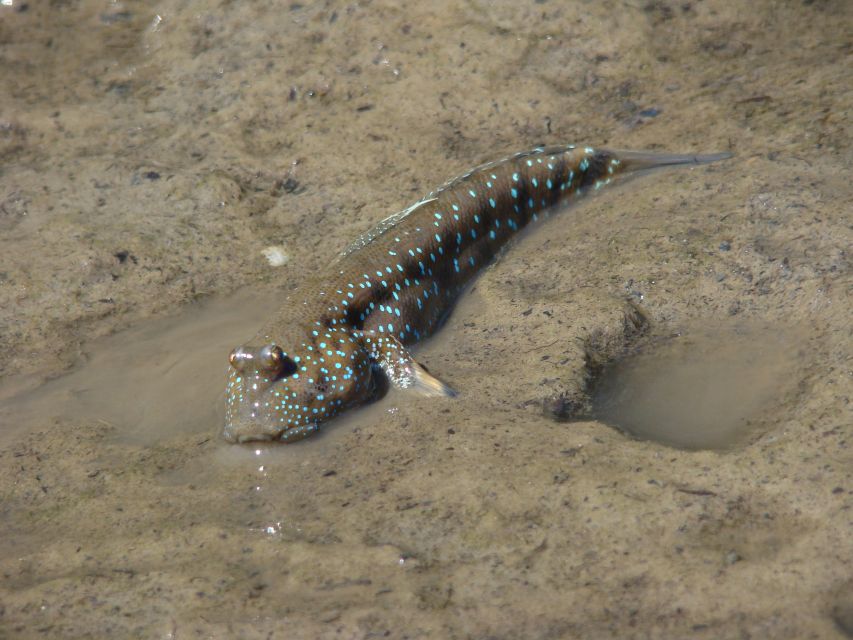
point(271, 357)
point(239, 357)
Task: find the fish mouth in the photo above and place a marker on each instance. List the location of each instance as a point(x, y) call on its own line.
point(253, 438)
point(243, 432)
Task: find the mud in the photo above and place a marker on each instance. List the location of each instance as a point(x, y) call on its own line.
point(703, 387)
point(151, 154)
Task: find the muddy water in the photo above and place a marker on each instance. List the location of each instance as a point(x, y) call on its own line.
point(150, 154)
point(705, 387)
point(161, 378)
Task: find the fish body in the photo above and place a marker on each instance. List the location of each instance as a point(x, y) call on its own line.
point(350, 324)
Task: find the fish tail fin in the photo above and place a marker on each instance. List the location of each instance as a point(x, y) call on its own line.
point(634, 161)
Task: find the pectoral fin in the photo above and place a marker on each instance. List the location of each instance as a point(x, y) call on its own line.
point(402, 370)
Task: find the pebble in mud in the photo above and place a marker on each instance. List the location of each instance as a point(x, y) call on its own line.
point(276, 256)
point(561, 407)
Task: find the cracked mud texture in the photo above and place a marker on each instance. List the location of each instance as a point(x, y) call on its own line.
point(151, 151)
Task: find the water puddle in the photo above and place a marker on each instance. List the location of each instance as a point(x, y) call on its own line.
point(703, 388)
point(162, 378)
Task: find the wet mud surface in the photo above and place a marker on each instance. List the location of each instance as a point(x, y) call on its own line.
point(705, 387)
point(152, 152)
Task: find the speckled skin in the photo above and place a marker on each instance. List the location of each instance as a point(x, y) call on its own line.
point(351, 323)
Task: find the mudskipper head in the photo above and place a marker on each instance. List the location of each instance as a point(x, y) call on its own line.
point(275, 393)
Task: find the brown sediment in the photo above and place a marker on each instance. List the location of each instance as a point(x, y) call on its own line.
point(476, 517)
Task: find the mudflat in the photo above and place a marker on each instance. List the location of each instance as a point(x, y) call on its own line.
point(153, 157)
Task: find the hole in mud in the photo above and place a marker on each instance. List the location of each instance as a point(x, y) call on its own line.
point(704, 388)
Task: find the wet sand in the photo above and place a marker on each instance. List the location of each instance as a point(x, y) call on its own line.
point(150, 153)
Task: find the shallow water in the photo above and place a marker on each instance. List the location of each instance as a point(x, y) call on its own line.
point(703, 388)
point(162, 378)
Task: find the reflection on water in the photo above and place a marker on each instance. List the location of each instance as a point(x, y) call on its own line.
point(165, 377)
point(702, 389)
